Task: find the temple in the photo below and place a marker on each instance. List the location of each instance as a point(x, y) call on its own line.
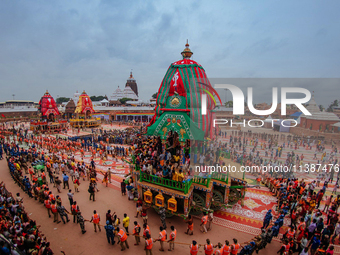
point(76, 97)
point(83, 113)
point(131, 82)
point(178, 106)
point(84, 106)
point(130, 91)
point(318, 121)
point(48, 107)
point(48, 111)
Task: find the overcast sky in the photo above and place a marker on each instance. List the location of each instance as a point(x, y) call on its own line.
point(64, 46)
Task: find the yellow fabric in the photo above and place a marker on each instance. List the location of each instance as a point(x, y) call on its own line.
point(80, 105)
point(180, 177)
point(126, 222)
point(175, 176)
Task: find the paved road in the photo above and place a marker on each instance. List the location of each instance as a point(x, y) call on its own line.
point(68, 237)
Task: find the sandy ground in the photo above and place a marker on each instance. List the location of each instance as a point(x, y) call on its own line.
point(68, 237)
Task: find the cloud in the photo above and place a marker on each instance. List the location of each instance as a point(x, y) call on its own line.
point(64, 46)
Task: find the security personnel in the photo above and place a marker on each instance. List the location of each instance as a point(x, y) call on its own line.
point(74, 210)
point(146, 230)
point(48, 206)
point(36, 189)
point(43, 177)
point(162, 237)
point(173, 235)
point(226, 248)
point(208, 248)
point(283, 247)
point(204, 221)
point(194, 248)
point(301, 228)
point(41, 195)
point(123, 238)
point(190, 229)
point(136, 232)
point(55, 212)
point(290, 233)
point(235, 247)
point(267, 218)
point(47, 192)
point(95, 219)
point(275, 229)
point(287, 247)
point(62, 212)
point(109, 232)
point(81, 221)
point(148, 244)
point(219, 250)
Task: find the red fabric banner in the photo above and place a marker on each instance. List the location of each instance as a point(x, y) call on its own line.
point(176, 85)
point(87, 104)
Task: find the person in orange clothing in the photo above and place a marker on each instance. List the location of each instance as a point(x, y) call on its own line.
point(95, 219)
point(290, 233)
point(208, 248)
point(194, 248)
point(43, 177)
point(258, 182)
point(136, 232)
point(190, 229)
point(148, 244)
point(301, 229)
point(51, 196)
point(123, 238)
point(235, 247)
point(74, 211)
point(46, 192)
point(162, 237)
point(30, 172)
point(173, 235)
point(105, 179)
point(204, 221)
point(146, 230)
point(226, 248)
point(47, 204)
point(55, 212)
point(219, 250)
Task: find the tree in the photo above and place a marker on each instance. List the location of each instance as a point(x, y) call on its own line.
point(62, 100)
point(229, 104)
point(330, 107)
point(154, 95)
point(321, 107)
point(97, 98)
point(124, 100)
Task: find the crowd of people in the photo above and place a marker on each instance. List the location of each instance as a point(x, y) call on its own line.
point(297, 200)
point(19, 233)
point(307, 230)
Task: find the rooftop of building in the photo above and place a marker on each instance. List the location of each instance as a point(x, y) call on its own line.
point(18, 109)
point(18, 101)
point(316, 114)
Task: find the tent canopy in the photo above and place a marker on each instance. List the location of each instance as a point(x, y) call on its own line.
point(296, 114)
